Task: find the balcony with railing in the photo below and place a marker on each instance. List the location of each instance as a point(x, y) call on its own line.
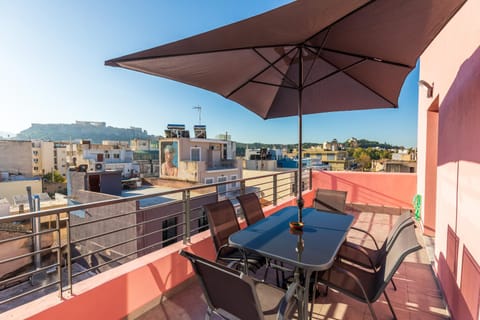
point(117, 257)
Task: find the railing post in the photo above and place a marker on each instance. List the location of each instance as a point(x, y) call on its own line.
point(242, 187)
point(36, 231)
point(310, 177)
point(68, 262)
point(59, 255)
point(295, 180)
point(186, 209)
point(275, 190)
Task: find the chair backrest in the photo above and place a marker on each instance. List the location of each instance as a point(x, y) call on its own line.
point(251, 207)
point(228, 292)
point(330, 200)
point(403, 221)
point(405, 243)
point(222, 221)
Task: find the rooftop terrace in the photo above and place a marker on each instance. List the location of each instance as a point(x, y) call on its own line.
point(161, 285)
point(417, 297)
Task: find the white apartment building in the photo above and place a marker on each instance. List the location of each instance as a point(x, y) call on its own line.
point(26, 158)
point(110, 155)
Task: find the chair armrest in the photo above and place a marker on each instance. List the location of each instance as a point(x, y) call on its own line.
point(286, 303)
point(351, 275)
point(360, 249)
point(233, 264)
point(368, 234)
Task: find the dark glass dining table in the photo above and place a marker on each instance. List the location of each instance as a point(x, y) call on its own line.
point(312, 249)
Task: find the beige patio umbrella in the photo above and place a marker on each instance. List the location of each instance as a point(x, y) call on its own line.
point(306, 57)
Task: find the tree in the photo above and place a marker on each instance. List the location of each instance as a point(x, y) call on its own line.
point(57, 177)
point(365, 160)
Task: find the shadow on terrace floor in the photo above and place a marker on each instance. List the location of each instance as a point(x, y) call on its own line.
point(417, 297)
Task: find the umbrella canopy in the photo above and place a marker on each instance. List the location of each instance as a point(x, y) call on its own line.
point(306, 57)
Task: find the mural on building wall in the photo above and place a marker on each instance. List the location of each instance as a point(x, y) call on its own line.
point(169, 158)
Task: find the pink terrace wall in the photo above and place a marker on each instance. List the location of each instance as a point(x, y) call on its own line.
point(119, 292)
point(373, 188)
point(452, 63)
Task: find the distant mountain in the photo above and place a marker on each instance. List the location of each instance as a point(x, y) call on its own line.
point(95, 131)
point(6, 135)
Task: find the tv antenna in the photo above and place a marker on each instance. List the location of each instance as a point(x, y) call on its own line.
point(199, 109)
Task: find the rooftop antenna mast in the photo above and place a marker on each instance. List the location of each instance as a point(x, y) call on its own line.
point(199, 113)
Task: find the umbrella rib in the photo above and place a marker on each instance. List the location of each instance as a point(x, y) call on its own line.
point(275, 67)
point(317, 53)
point(338, 70)
point(354, 79)
point(261, 71)
point(273, 84)
point(360, 56)
point(340, 19)
point(117, 61)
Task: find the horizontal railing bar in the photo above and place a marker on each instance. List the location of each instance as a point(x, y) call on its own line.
point(29, 273)
point(26, 293)
point(25, 255)
point(28, 235)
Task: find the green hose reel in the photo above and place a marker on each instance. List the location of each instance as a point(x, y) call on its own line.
point(417, 206)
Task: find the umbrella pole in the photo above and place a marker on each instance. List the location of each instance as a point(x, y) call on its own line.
point(299, 178)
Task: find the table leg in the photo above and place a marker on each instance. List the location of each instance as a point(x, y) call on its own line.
point(300, 294)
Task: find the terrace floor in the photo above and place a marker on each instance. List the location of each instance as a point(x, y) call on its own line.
point(418, 295)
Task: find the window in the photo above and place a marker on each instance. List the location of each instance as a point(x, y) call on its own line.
point(195, 154)
point(203, 222)
point(233, 185)
point(35, 168)
point(330, 156)
point(169, 232)
point(116, 156)
point(222, 189)
point(209, 181)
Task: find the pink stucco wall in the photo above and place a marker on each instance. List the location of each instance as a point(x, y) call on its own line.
point(452, 63)
point(373, 188)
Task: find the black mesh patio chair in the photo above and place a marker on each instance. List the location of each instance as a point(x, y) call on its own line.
point(335, 201)
point(372, 258)
point(223, 222)
point(231, 294)
point(330, 200)
point(251, 207)
point(252, 211)
point(366, 286)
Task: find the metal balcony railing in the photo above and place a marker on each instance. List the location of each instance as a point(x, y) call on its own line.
point(80, 240)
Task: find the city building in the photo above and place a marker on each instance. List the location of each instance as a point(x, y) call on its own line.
point(262, 159)
point(198, 159)
point(146, 154)
point(60, 158)
point(401, 161)
point(110, 155)
point(332, 156)
point(26, 158)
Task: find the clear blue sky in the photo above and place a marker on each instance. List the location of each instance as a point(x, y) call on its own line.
point(51, 71)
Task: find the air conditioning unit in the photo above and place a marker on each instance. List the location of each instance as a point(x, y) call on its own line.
point(99, 166)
